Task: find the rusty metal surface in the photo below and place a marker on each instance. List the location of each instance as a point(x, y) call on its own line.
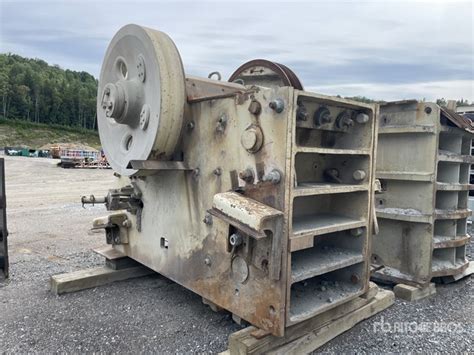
point(201, 89)
point(219, 221)
point(180, 239)
point(4, 265)
point(457, 119)
point(158, 165)
point(176, 203)
point(252, 213)
point(262, 71)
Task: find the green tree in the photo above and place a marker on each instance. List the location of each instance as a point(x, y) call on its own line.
point(30, 89)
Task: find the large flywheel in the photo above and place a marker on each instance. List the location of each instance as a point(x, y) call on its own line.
point(264, 72)
point(141, 97)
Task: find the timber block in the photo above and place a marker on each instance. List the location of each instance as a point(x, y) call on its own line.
point(414, 293)
point(311, 334)
point(121, 263)
point(89, 278)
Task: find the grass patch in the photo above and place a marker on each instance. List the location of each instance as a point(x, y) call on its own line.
point(35, 135)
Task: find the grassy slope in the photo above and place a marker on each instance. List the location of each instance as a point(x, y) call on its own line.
point(33, 135)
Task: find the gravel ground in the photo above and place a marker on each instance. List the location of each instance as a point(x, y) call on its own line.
point(49, 234)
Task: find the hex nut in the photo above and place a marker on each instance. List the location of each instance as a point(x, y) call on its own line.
point(235, 239)
point(322, 116)
point(302, 113)
point(207, 219)
point(247, 175)
point(344, 121)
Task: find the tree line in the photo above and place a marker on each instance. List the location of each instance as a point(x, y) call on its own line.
point(34, 91)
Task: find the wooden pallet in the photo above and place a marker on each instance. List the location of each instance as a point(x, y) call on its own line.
point(118, 267)
point(309, 335)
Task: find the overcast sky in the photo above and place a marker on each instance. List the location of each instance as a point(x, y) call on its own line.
point(380, 49)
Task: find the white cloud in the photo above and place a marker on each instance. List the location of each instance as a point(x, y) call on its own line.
point(391, 45)
point(430, 91)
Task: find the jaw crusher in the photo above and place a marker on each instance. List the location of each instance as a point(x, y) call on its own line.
point(253, 193)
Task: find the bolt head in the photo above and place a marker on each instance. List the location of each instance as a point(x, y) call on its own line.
point(355, 278)
point(273, 176)
point(190, 125)
point(359, 175)
point(362, 118)
point(247, 175)
point(207, 219)
point(357, 232)
point(326, 118)
point(277, 105)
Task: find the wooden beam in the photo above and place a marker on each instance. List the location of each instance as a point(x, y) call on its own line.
point(318, 337)
point(89, 278)
point(245, 342)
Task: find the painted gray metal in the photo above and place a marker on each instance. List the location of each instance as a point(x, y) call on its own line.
point(423, 162)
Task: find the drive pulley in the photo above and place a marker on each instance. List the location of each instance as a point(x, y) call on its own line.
point(141, 97)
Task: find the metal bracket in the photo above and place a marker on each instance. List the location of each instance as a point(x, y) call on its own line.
point(253, 218)
point(200, 89)
point(116, 226)
point(157, 165)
